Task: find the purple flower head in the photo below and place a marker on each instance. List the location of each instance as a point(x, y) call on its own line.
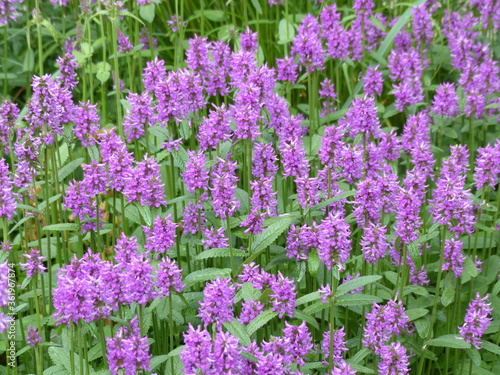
point(453, 257)
point(325, 293)
point(169, 277)
point(34, 264)
point(487, 166)
point(197, 54)
point(363, 7)
point(373, 82)
point(249, 41)
point(422, 25)
point(224, 182)
point(445, 101)
point(144, 38)
point(477, 320)
point(124, 45)
point(161, 237)
point(264, 160)
point(225, 356)
point(175, 23)
point(154, 74)
point(394, 360)
point(299, 240)
point(334, 240)
point(4, 284)
point(328, 94)
point(283, 295)
point(263, 196)
point(95, 178)
point(9, 113)
point(342, 368)
point(362, 118)
point(67, 66)
point(144, 184)
point(408, 215)
point(197, 350)
point(140, 116)
point(78, 199)
point(8, 198)
point(374, 242)
point(33, 336)
point(86, 122)
point(49, 109)
point(136, 280)
point(218, 302)
point(215, 238)
point(9, 11)
point(195, 175)
point(382, 323)
point(339, 345)
point(128, 352)
point(335, 36)
point(308, 192)
point(287, 70)
point(250, 309)
point(307, 45)
point(253, 274)
point(246, 113)
point(215, 128)
point(293, 157)
point(331, 143)
point(194, 218)
point(296, 342)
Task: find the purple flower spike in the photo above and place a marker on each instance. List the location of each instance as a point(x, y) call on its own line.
point(477, 320)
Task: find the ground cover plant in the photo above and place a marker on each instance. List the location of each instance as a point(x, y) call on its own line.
point(249, 187)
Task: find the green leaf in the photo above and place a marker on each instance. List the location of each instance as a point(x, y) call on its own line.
point(69, 168)
point(356, 299)
point(220, 253)
point(450, 133)
point(283, 37)
point(147, 12)
point(447, 297)
point(362, 369)
point(355, 284)
point(306, 317)
point(336, 198)
point(470, 267)
point(492, 348)
point(257, 6)
point(414, 314)
point(474, 355)
point(146, 214)
point(238, 330)
point(61, 227)
point(449, 341)
point(313, 263)
point(206, 274)
point(260, 320)
point(422, 326)
point(61, 356)
point(103, 76)
point(359, 356)
point(177, 351)
point(51, 29)
point(93, 152)
point(42, 205)
point(313, 296)
point(158, 360)
point(212, 15)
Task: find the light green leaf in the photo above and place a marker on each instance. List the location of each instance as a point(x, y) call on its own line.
point(207, 274)
point(147, 12)
point(414, 314)
point(286, 32)
point(260, 320)
point(449, 341)
point(61, 227)
point(238, 330)
point(306, 317)
point(357, 299)
point(158, 360)
point(474, 355)
point(257, 6)
point(447, 297)
point(220, 253)
point(313, 296)
point(69, 168)
point(492, 348)
point(336, 198)
point(356, 283)
point(212, 15)
point(313, 263)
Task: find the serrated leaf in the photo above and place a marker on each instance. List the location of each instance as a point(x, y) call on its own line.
point(447, 297)
point(158, 360)
point(470, 267)
point(422, 326)
point(206, 274)
point(238, 330)
point(362, 369)
point(414, 314)
point(61, 227)
point(220, 253)
point(298, 314)
point(474, 355)
point(336, 198)
point(286, 32)
point(359, 356)
point(355, 284)
point(145, 212)
point(492, 348)
point(147, 12)
point(261, 320)
point(313, 263)
point(314, 296)
point(176, 352)
point(42, 205)
point(356, 299)
point(449, 341)
point(69, 168)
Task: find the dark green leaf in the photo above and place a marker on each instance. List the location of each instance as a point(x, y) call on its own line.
point(449, 341)
point(68, 169)
point(356, 283)
point(261, 320)
point(206, 274)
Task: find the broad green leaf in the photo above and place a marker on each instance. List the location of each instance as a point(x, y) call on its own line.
point(206, 274)
point(422, 326)
point(449, 341)
point(61, 356)
point(362, 369)
point(51, 29)
point(313, 296)
point(42, 205)
point(212, 15)
point(61, 227)
point(298, 314)
point(147, 12)
point(156, 361)
point(313, 263)
point(447, 297)
point(470, 267)
point(257, 6)
point(336, 198)
point(286, 32)
point(450, 133)
point(238, 330)
point(356, 299)
point(55, 370)
point(69, 168)
point(492, 348)
point(261, 320)
point(177, 351)
point(220, 253)
point(359, 356)
point(474, 355)
point(356, 283)
point(414, 314)
point(21, 222)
